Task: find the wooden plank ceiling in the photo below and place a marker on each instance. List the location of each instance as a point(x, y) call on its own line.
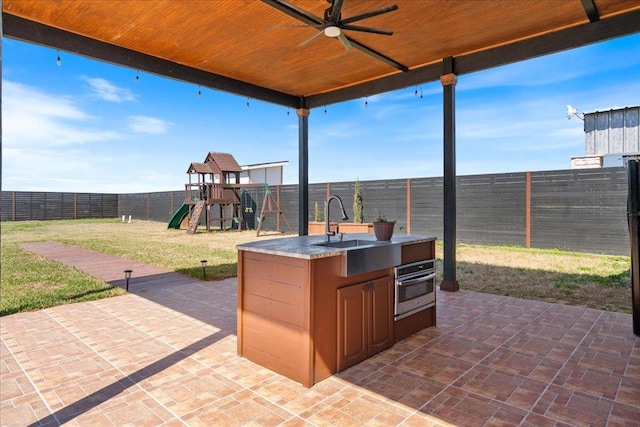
point(251, 48)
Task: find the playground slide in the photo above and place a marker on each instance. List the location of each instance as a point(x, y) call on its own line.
point(178, 216)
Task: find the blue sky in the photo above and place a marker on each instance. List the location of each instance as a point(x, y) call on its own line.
point(87, 126)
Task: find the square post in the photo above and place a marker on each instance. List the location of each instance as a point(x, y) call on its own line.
point(449, 80)
point(303, 171)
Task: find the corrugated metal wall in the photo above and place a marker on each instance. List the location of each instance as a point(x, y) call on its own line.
point(612, 132)
point(578, 210)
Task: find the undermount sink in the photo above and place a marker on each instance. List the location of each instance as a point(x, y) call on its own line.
point(362, 256)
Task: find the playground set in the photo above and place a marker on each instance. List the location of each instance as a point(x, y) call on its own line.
point(216, 183)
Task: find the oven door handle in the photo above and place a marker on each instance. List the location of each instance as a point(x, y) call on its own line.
point(416, 280)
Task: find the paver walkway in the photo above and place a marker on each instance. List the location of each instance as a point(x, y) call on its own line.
point(109, 268)
point(165, 354)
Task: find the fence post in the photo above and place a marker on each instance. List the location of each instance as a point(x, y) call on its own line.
point(527, 208)
point(279, 208)
point(408, 204)
point(633, 221)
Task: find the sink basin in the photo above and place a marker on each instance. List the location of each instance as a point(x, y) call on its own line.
point(350, 243)
point(363, 256)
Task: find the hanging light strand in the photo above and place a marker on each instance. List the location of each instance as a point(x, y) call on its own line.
point(58, 60)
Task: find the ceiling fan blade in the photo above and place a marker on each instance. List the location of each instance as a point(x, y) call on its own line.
point(295, 12)
point(345, 42)
point(311, 38)
point(336, 8)
point(296, 26)
point(377, 55)
point(367, 30)
point(369, 14)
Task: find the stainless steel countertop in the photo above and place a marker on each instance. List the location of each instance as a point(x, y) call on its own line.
point(305, 246)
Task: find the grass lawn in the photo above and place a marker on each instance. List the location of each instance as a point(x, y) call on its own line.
point(29, 282)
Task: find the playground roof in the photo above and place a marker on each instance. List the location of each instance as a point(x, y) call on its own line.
point(253, 48)
point(224, 161)
point(211, 168)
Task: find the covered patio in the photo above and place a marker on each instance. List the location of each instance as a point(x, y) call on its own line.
point(323, 52)
point(165, 354)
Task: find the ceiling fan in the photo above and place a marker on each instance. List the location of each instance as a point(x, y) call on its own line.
point(332, 25)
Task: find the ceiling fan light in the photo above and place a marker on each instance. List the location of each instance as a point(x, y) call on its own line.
point(332, 31)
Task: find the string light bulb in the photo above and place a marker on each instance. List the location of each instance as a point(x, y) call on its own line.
point(58, 60)
point(137, 76)
point(366, 101)
point(199, 92)
point(247, 102)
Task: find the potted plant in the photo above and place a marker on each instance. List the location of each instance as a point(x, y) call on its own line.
point(357, 204)
point(382, 227)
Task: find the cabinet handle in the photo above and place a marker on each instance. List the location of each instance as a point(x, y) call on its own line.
point(368, 287)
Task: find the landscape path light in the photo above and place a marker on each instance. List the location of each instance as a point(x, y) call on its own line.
point(127, 276)
point(203, 263)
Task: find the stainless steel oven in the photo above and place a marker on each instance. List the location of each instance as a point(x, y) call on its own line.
point(414, 288)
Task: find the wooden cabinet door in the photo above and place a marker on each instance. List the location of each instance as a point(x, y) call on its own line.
point(353, 310)
point(381, 315)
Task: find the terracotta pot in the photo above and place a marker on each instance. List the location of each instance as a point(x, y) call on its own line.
point(383, 230)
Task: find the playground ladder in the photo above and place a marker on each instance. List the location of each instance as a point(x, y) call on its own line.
point(195, 217)
point(267, 207)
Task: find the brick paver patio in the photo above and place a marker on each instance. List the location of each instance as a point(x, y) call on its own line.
point(165, 354)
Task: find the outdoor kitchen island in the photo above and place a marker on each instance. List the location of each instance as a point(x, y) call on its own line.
point(308, 310)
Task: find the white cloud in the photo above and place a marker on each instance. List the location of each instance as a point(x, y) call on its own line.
point(107, 91)
point(33, 118)
point(73, 169)
point(150, 125)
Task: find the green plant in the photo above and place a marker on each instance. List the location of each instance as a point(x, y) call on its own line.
point(357, 204)
point(382, 217)
point(317, 216)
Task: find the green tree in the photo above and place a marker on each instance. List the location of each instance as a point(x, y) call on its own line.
point(357, 204)
point(317, 214)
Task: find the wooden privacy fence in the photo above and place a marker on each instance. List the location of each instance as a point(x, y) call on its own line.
point(33, 205)
point(578, 210)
